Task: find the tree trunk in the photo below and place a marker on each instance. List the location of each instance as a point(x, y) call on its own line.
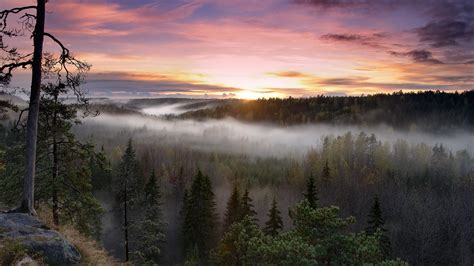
point(55, 164)
point(125, 222)
point(33, 112)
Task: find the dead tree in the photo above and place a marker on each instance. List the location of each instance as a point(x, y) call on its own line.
point(60, 66)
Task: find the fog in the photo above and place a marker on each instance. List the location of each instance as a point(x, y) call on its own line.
point(250, 139)
point(174, 109)
point(264, 140)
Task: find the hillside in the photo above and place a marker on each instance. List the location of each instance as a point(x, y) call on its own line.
point(430, 111)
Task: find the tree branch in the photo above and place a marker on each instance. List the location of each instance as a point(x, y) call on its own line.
point(4, 15)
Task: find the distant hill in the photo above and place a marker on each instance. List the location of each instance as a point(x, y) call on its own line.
point(433, 111)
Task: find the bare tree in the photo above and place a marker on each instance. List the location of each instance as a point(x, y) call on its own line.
point(13, 59)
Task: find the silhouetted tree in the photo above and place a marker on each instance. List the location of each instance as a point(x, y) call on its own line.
point(64, 173)
point(326, 173)
point(311, 194)
point(247, 208)
point(150, 232)
point(15, 59)
point(274, 225)
point(200, 218)
point(233, 210)
point(376, 224)
point(101, 170)
point(126, 189)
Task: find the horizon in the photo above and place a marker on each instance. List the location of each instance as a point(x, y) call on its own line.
point(204, 97)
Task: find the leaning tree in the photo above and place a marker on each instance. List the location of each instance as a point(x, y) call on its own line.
point(29, 21)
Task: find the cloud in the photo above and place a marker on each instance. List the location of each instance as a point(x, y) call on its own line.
point(138, 84)
point(288, 74)
point(446, 33)
point(413, 83)
point(418, 56)
point(334, 3)
point(366, 40)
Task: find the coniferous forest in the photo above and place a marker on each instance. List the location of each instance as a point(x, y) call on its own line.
point(385, 178)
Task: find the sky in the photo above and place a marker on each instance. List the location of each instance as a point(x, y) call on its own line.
point(263, 48)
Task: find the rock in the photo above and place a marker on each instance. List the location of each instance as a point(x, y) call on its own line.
point(38, 239)
point(26, 261)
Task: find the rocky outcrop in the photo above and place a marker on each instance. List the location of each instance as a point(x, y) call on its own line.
point(37, 238)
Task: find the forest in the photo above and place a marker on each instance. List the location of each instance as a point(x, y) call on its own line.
point(382, 179)
point(397, 200)
point(432, 111)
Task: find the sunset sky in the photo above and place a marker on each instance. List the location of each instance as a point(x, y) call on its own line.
point(264, 48)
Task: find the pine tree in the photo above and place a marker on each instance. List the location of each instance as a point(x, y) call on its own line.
point(63, 170)
point(247, 207)
point(200, 218)
point(274, 225)
point(326, 173)
point(13, 159)
point(127, 185)
point(376, 224)
point(100, 170)
point(233, 212)
point(311, 192)
point(151, 229)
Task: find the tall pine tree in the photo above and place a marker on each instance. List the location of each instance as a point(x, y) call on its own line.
point(233, 210)
point(200, 218)
point(247, 207)
point(376, 224)
point(311, 192)
point(63, 179)
point(274, 225)
point(150, 232)
point(126, 190)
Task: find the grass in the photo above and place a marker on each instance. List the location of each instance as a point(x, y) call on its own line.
point(91, 250)
point(11, 251)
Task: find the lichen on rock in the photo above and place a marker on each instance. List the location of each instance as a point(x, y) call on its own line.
point(38, 239)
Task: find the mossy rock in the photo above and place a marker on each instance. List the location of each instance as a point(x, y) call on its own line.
point(37, 239)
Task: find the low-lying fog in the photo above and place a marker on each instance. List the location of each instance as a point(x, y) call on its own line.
point(229, 135)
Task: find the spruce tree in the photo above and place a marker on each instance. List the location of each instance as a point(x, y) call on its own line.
point(200, 218)
point(127, 185)
point(326, 173)
point(150, 232)
point(311, 192)
point(101, 171)
point(274, 225)
point(233, 212)
point(376, 224)
point(247, 207)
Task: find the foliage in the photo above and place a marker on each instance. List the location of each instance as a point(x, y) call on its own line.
point(428, 110)
point(11, 251)
point(233, 212)
point(101, 170)
point(247, 208)
point(63, 171)
point(150, 231)
point(127, 190)
point(376, 226)
point(12, 142)
point(274, 225)
point(318, 238)
point(200, 218)
point(311, 192)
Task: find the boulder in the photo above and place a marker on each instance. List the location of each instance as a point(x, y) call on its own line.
point(37, 238)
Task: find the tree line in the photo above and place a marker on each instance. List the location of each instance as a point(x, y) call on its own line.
point(428, 110)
